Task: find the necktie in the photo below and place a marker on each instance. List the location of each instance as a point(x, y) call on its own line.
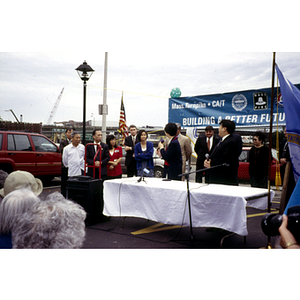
point(96, 147)
point(208, 144)
point(133, 140)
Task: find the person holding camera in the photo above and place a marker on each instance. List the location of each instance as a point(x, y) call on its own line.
point(287, 240)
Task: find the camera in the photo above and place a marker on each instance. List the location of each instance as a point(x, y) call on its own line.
point(271, 223)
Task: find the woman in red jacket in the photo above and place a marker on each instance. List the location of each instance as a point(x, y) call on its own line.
point(114, 169)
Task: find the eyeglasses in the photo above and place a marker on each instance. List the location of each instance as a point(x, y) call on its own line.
point(255, 139)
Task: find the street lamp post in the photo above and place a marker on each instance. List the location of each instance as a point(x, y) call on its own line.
point(85, 72)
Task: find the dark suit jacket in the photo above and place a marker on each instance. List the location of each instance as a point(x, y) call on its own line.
point(201, 149)
point(90, 153)
point(173, 156)
point(284, 151)
point(239, 142)
point(129, 153)
point(225, 152)
point(62, 145)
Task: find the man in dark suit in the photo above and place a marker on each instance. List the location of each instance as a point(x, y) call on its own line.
point(90, 154)
point(173, 152)
point(64, 170)
point(205, 144)
point(130, 142)
point(227, 151)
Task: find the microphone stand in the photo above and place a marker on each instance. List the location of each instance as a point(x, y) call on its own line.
point(142, 178)
point(192, 237)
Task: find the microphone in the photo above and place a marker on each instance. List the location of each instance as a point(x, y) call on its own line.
point(146, 171)
point(161, 141)
point(207, 156)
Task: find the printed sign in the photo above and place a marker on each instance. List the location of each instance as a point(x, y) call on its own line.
point(245, 108)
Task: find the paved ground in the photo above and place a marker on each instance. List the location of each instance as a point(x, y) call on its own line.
point(137, 233)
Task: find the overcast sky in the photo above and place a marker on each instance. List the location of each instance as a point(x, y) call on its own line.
point(30, 83)
point(201, 49)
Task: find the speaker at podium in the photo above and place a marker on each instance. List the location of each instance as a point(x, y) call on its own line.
point(88, 193)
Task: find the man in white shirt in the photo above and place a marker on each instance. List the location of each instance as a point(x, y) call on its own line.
point(73, 156)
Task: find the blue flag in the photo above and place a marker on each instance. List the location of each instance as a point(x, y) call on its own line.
point(294, 199)
point(291, 103)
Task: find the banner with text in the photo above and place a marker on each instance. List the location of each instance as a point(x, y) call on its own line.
point(245, 108)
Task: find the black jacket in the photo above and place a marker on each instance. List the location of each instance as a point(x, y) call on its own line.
point(174, 158)
point(201, 149)
point(90, 153)
point(228, 152)
point(129, 153)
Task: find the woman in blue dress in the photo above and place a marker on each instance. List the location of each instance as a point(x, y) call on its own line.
point(143, 152)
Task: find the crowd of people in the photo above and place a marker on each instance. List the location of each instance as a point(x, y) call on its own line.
point(139, 155)
point(27, 221)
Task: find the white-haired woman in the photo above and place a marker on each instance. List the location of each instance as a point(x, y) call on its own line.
point(55, 223)
point(12, 207)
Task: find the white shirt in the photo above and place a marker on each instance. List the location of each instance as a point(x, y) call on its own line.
point(73, 158)
point(96, 147)
point(224, 137)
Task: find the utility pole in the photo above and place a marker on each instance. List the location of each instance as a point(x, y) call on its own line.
point(105, 109)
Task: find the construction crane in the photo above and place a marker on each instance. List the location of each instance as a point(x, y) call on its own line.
point(53, 111)
point(13, 114)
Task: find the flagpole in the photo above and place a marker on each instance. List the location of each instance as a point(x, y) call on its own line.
point(270, 133)
point(270, 143)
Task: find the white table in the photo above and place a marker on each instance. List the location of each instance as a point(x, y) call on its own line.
point(213, 205)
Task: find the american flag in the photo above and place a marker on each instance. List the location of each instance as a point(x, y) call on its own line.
point(122, 122)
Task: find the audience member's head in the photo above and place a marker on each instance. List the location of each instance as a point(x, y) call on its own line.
point(178, 128)
point(21, 179)
point(260, 136)
point(230, 125)
point(13, 206)
point(3, 176)
point(171, 129)
point(209, 131)
point(55, 223)
point(133, 130)
point(140, 133)
point(111, 141)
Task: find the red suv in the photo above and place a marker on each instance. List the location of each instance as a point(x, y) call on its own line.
point(31, 152)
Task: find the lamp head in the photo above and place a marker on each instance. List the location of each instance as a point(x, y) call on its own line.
point(84, 71)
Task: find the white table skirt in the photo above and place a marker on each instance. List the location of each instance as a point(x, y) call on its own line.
point(213, 205)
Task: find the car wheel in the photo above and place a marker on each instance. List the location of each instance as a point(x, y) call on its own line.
point(158, 172)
